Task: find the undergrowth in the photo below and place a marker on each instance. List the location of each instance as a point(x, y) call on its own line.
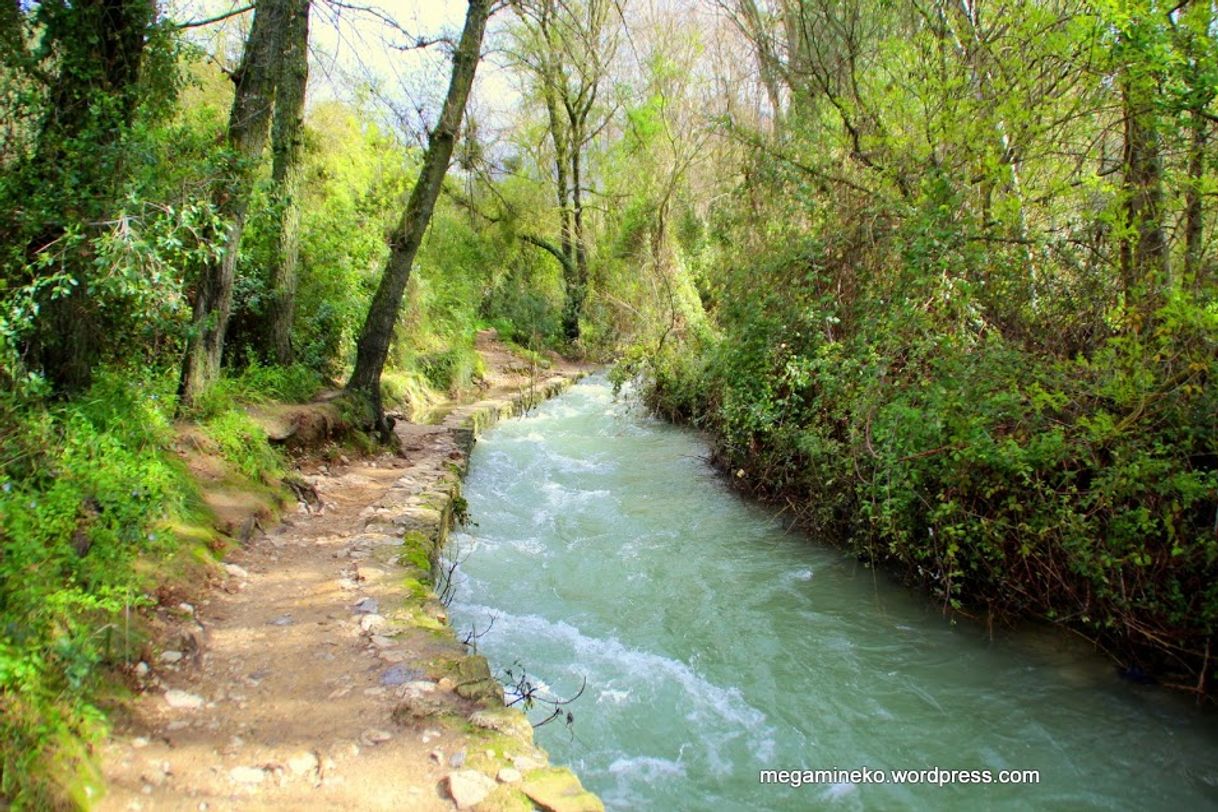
point(88, 490)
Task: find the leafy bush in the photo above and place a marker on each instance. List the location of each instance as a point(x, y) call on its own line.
point(85, 489)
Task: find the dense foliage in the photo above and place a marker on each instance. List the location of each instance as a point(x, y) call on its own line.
point(953, 326)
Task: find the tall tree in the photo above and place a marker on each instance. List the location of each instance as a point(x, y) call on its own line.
point(372, 347)
point(248, 126)
point(286, 147)
point(567, 46)
point(88, 61)
point(1143, 249)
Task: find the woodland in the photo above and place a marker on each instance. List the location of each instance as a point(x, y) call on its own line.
point(939, 277)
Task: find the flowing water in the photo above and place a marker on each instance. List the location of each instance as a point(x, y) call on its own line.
point(715, 645)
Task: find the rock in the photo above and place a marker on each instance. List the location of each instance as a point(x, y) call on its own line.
point(139, 742)
point(415, 707)
point(558, 790)
point(282, 620)
point(467, 788)
point(247, 775)
point(398, 675)
point(182, 700)
point(372, 623)
point(303, 763)
point(236, 571)
point(509, 775)
point(506, 721)
point(365, 606)
point(380, 641)
point(526, 763)
point(187, 608)
point(445, 684)
point(420, 686)
point(457, 759)
point(374, 736)
point(141, 669)
point(170, 657)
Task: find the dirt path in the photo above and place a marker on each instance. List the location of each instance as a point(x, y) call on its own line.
point(319, 673)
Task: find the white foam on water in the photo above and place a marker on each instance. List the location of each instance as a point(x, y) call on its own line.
point(706, 701)
point(647, 768)
point(613, 696)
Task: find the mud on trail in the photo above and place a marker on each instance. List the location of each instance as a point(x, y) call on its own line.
point(319, 671)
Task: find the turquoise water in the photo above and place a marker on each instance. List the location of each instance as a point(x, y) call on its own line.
point(715, 645)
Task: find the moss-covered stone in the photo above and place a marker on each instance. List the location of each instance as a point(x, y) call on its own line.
point(555, 789)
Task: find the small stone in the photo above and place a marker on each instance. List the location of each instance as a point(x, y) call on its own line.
point(509, 722)
point(303, 763)
point(526, 763)
point(139, 742)
point(182, 700)
point(374, 736)
point(457, 759)
point(446, 685)
point(141, 669)
point(187, 608)
point(383, 642)
point(468, 788)
point(393, 655)
point(365, 606)
point(420, 686)
point(247, 775)
point(397, 675)
point(509, 775)
point(435, 755)
point(170, 656)
point(372, 623)
point(282, 620)
point(236, 571)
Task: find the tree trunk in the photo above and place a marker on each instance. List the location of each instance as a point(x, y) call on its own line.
point(768, 65)
point(577, 286)
point(248, 125)
point(94, 98)
point(373, 346)
point(1144, 248)
point(1194, 213)
point(286, 147)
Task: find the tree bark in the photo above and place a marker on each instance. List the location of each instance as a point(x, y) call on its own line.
point(1194, 212)
point(286, 147)
point(248, 126)
point(372, 348)
point(93, 99)
point(1143, 257)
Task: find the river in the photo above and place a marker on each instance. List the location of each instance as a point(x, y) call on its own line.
point(715, 645)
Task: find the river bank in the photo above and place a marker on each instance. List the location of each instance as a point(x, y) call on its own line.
point(712, 644)
point(319, 670)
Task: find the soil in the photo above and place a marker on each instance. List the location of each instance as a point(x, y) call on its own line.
point(310, 674)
